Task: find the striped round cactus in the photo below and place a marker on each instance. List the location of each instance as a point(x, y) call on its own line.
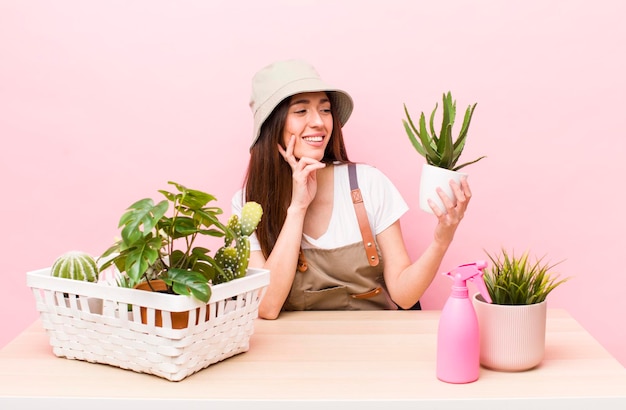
point(76, 265)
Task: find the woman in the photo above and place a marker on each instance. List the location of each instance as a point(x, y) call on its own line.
point(313, 236)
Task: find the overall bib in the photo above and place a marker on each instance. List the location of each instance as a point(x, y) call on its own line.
point(338, 279)
point(345, 278)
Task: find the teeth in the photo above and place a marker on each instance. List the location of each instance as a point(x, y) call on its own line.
point(314, 139)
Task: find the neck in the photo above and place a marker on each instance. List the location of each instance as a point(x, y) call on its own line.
point(324, 174)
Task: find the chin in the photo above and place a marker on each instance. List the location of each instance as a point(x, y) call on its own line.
point(317, 155)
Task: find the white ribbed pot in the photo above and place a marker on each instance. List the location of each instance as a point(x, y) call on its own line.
point(433, 177)
point(512, 337)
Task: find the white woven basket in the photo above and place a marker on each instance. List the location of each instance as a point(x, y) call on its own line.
point(101, 323)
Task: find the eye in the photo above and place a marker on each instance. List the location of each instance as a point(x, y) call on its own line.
point(298, 108)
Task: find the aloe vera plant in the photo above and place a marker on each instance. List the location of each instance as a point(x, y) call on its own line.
point(516, 280)
point(440, 150)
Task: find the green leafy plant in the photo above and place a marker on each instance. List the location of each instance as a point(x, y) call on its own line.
point(155, 245)
point(441, 150)
point(513, 280)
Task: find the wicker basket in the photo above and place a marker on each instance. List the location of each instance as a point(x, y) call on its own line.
point(102, 323)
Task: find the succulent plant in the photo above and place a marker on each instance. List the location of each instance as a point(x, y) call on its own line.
point(233, 258)
point(441, 150)
point(157, 246)
point(515, 280)
point(76, 265)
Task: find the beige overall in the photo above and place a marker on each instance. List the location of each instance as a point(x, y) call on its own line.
point(345, 278)
point(338, 279)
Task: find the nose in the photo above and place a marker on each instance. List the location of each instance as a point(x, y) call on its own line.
point(315, 120)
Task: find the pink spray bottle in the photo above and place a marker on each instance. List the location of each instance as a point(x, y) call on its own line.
point(458, 339)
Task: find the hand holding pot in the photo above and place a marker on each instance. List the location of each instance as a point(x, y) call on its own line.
point(450, 217)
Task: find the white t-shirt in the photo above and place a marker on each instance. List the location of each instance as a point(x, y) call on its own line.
point(382, 200)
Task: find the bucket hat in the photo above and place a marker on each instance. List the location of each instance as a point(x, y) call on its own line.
point(282, 79)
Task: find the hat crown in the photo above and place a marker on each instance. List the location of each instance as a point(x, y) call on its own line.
point(274, 77)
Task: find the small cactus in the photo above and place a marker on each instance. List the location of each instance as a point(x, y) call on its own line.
point(234, 259)
point(76, 265)
point(250, 217)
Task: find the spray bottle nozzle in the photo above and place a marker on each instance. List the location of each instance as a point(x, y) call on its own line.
point(472, 272)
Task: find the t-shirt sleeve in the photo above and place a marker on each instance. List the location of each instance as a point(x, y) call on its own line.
point(236, 205)
point(385, 201)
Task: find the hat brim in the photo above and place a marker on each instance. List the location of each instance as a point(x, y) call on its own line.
point(341, 100)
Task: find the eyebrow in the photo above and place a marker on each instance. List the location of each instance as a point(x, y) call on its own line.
point(306, 101)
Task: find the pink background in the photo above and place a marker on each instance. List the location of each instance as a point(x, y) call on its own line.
point(103, 102)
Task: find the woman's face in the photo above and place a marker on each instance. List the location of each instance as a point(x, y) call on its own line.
point(310, 120)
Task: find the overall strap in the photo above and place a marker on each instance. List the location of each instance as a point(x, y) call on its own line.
point(361, 214)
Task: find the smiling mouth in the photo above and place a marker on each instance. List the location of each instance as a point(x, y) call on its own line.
point(314, 139)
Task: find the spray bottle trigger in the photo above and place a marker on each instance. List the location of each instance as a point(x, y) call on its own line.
point(472, 272)
point(479, 281)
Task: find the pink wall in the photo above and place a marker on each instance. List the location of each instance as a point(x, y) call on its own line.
point(103, 102)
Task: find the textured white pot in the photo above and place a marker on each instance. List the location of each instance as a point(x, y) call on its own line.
point(433, 177)
point(512, 337)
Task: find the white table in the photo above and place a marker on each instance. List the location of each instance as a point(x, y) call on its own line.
point(376, 359)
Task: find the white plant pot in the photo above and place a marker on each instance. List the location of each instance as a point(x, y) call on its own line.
point(433, 177)
point(512, 337)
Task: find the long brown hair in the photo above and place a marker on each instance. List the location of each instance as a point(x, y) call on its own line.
point(268, 179)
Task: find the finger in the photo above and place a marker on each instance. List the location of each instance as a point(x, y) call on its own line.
point(462, 194)
point(436, 211)
point(448, 203)
point(288, 153)
point(281, 150)
point(307, 167)
point(304, 161)
point(289, 159)
point(458, 192)
point(291, 144)
point(466, 188)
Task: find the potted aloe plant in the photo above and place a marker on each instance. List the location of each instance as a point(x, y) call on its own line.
point(441, 150)
point(161, 250)
point(512, 327)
